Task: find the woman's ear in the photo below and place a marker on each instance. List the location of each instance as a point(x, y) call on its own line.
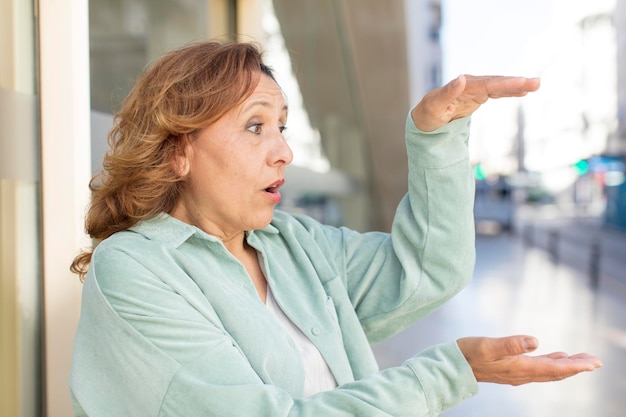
point(181, 163)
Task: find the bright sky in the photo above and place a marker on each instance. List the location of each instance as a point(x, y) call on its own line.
point(534, 38)
point(482, 37)
point(490, 37)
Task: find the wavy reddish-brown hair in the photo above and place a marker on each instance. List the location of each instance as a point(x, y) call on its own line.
point(183, 92)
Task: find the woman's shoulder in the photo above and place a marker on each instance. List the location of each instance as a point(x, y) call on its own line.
point(159, 230)
point(140, 242)
point(140, 254)
point(122, 241)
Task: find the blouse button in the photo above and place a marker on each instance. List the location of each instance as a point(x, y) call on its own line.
point(316, 331)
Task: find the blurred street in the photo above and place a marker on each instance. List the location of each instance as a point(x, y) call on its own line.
point(583, 241)
point(520, 288)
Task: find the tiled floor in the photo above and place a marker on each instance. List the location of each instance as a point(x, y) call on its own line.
point(519, 290)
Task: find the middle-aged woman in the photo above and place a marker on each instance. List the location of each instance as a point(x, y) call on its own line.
point(201, 299)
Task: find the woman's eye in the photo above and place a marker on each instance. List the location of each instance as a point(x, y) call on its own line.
point(255, 128)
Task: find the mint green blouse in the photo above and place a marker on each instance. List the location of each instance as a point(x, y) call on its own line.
point(171, 324)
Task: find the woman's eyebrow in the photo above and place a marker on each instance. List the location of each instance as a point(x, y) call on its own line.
point(262, 103)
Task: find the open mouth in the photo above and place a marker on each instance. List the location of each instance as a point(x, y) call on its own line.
point(273, 190)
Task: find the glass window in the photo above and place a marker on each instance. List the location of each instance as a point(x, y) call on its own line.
point(20, 272)
point(127, 35)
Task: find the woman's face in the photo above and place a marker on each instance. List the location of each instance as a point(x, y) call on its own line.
point(234, 168)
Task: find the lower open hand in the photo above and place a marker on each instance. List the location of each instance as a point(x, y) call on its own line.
point(504, 361)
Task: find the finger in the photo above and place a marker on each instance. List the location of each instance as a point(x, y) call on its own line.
point(435, 109)
point(495, 86)
point(496, 348)
point(543, 368)
point(582, 359)
point(566, 367)
point(557, 355)
point(559, 364)
point(597, 362)
point(442, 98)
point(457, 86)
point(499, 87)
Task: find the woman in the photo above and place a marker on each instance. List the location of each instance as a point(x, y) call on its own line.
point(202, 300)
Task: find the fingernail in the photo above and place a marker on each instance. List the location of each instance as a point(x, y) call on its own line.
point(530, 343)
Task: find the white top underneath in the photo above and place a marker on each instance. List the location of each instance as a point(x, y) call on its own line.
point(317, 375)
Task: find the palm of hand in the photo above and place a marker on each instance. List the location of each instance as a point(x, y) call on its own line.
point(502, 361)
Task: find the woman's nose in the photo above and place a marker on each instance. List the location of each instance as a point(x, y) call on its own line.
point(282, 153)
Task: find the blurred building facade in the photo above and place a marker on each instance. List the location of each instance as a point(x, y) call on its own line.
point(66, 66)
point(616, 199)
point(620, 28)
point(20, 252)
point(360, 65)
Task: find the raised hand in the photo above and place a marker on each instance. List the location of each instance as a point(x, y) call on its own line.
point(503, 361)
point(463, 95)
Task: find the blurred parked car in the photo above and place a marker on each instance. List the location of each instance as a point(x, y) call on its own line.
point(494, 205)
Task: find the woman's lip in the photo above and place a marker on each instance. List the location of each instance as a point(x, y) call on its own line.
point(276, 184)
point(272, 190)
point(275, 197)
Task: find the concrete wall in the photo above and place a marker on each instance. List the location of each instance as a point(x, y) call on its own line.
point(350, 59)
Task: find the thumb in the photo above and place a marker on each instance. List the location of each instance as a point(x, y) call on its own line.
point(511, 345)
point(457, 85)
point(452, 90)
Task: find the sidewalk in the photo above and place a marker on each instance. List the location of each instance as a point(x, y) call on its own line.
point(584, 242)
point(518, 289)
